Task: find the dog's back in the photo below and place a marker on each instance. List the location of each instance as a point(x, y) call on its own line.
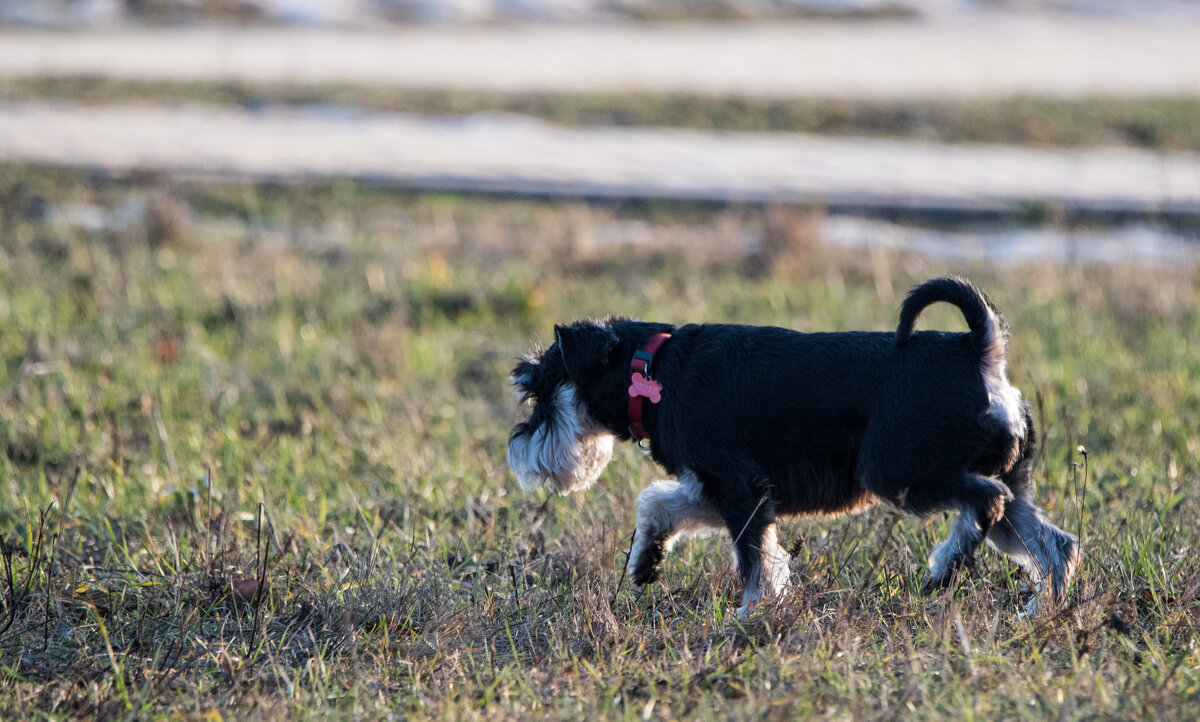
point(792, 406)
point(831, 419)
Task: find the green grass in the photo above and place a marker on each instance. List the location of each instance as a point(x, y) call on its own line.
point(319, 372)
point(1165, 123)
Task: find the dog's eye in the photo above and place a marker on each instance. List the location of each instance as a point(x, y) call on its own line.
point(524, 396)
point(520, 383)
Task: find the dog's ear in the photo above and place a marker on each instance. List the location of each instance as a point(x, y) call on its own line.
point(586, 349)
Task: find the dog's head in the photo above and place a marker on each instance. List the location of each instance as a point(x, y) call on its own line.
point(561, 442)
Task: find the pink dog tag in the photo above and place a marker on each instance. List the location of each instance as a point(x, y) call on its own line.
point(641, 386)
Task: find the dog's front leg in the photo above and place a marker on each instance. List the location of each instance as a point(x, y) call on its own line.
point(666, 512)
point(761, 562)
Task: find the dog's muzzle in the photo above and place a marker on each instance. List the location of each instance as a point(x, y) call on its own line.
point(569, 464)
point(564, 447)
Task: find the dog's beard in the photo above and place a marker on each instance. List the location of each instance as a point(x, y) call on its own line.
point(568, 449)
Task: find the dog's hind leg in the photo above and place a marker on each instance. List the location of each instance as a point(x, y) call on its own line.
point(667, 511)
point(1048, 554)
point(982, 503)
point(957, 552)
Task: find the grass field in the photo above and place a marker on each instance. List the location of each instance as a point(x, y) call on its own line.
point(253, 466)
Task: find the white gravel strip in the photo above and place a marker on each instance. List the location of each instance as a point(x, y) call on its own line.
point(520, 155)
point(946, 56)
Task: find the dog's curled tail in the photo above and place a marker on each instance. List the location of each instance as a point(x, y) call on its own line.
point(988, 329)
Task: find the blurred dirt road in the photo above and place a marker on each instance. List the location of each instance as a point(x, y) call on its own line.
point(944, 56)
point(519, 155)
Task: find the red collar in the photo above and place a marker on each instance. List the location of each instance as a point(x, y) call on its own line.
point(642, 384)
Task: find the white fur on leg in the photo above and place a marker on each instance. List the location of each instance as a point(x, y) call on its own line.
point(752, 594)
point(676, 509)
point(775, 563)
point(771, 578)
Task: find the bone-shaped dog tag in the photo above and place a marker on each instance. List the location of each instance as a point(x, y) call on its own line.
point(641, 386)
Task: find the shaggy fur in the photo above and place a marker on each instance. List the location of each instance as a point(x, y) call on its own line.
point(757, 422)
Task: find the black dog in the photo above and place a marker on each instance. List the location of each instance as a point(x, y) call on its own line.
point(759, 421)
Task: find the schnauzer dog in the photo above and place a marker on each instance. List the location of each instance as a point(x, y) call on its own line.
point(756, 422)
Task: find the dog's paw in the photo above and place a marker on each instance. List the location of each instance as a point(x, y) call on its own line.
point(646, 558)
point(993, 512)
point(934, 585)
point(644, 575)
point(648, 565)
point(947, 575)
point(947, 563)
point(1031, 609)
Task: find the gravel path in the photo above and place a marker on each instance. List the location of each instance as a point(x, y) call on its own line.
point(512, 154)
point(968, 56)
point(942, 57)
